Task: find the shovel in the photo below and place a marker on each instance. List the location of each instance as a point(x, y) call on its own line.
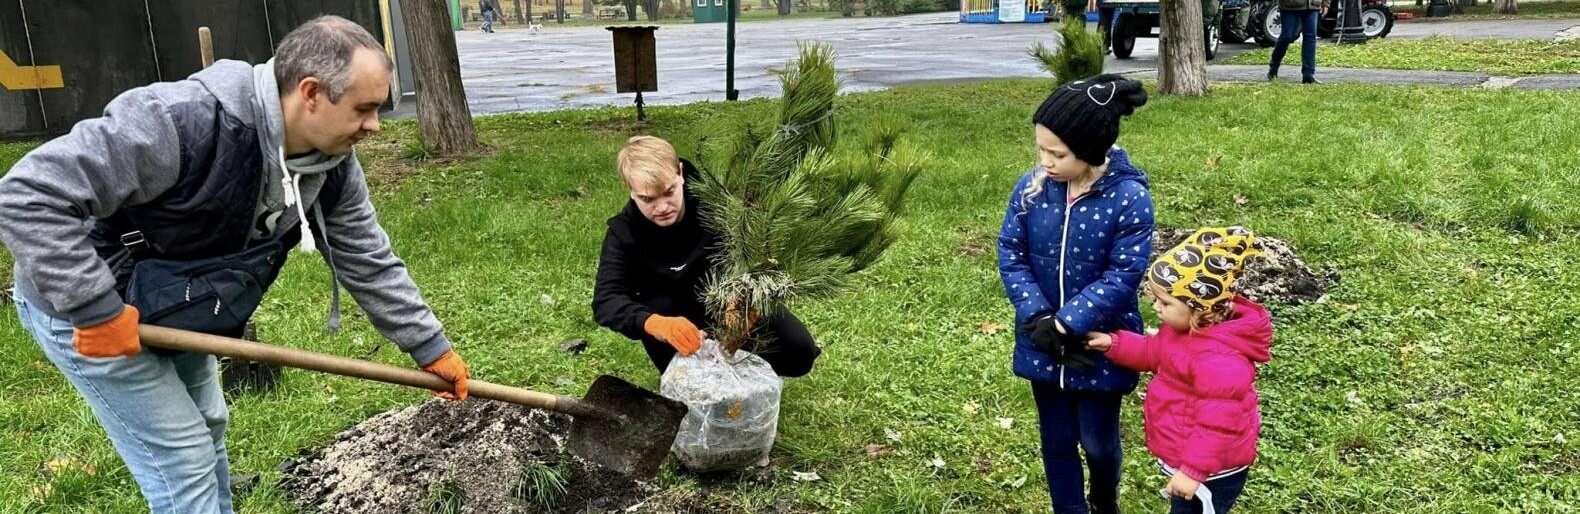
point(616, 425)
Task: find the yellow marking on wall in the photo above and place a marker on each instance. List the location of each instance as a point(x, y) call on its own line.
point(15, 77)
point(389, 48)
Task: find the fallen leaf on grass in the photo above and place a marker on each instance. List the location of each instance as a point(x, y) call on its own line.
point(1006, 423)
point(990, 328)
point(1212, 163)
point(971, 407)
point(878, 450)
point(1240, 200)
point(52, 467)
point(892, 434)
point(937, 462)
point(805, 477)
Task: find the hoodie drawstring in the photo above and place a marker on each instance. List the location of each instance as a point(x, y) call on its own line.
point(292, 184)
point(334, 276)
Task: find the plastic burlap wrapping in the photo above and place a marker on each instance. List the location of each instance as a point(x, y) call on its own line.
point(733, 407)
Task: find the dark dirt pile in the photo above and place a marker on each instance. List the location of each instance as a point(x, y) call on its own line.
point(479, 456)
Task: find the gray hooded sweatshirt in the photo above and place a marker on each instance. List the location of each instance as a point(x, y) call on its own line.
point(138, 151)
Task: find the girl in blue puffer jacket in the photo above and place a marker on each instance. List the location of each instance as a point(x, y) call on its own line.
point(1074, 246)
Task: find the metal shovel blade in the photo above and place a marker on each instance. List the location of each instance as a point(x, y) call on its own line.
point(637, 433)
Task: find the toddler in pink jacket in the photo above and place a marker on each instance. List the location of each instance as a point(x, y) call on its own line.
point(1202, 420)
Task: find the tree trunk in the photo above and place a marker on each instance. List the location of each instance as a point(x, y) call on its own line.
point(523, 17)
point(1506, 6)
point(784, 7)
point(442, 113)
point(1182, 69)
point(587, 8)
point(651, 6)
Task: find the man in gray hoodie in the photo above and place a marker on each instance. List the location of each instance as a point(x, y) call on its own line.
point(183, 201)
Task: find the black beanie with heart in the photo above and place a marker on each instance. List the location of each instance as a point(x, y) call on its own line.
point(1085, 113)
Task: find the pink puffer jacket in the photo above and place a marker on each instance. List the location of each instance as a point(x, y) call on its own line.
point(1201, 414)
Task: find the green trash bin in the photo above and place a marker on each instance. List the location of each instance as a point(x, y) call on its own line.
point(709, 11)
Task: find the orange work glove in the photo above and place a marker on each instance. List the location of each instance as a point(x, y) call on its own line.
point(114, 338)
point(677, 331)
point(451, 368)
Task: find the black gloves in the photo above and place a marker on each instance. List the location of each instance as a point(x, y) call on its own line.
point(1067, 349)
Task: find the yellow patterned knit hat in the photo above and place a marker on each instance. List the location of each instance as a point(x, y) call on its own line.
point(1201, 270)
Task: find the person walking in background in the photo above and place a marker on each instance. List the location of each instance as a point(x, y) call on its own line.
point(1300, 21)
point(490, 12)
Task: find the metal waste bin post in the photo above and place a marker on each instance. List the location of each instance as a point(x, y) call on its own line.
point(635, 62)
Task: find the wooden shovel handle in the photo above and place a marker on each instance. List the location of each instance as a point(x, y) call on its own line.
point(183, 340)
point(205, 46)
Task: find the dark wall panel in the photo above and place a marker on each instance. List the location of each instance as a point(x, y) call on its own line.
point(19, 113)
point(285, 15)
point(236, 25)
point(102, 47)
point(105, 47)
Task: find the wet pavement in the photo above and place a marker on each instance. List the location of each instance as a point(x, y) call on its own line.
point(515, 70)
point(560, 68)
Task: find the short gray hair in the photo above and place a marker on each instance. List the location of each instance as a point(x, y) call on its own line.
point(323, 48)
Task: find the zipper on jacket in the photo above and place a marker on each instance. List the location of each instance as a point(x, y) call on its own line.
point(1064, 240)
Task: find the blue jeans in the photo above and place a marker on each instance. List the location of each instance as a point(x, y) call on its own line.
point(1090, 420)
point(488, 21)
point(1301, 24)
point(165, 415)
point(1225, 490)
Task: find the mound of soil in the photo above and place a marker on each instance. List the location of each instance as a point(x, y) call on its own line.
point(477, 456)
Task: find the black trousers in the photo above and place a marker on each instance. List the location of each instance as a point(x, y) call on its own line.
point(790, 349)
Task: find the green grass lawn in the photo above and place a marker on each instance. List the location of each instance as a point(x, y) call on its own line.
point(1437, 377)
point(1539, 9)
point(1498, 57)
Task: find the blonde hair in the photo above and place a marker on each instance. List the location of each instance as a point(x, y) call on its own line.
point(646, 161)
point(1200, 318)
point(1039, 182)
